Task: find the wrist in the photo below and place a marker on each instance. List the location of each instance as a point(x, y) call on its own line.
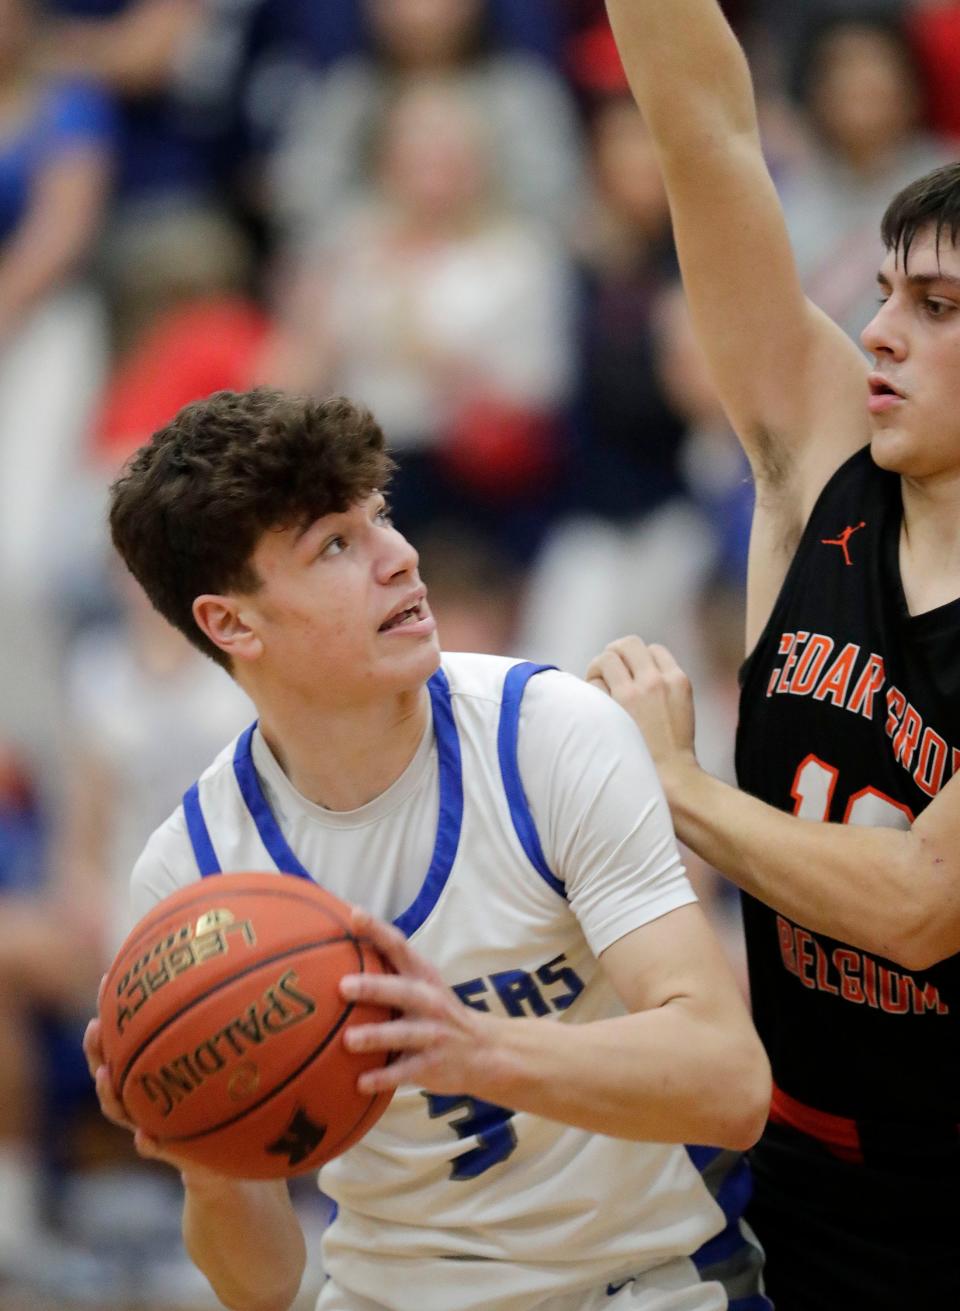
point(680, 776)
point(206, 1186)
point(499, 1062)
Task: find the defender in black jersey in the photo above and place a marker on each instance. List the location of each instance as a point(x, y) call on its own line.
point(845, 833)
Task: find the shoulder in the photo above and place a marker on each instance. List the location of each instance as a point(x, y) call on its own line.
point(472, 676)
point(560, 704)
point(550, 697)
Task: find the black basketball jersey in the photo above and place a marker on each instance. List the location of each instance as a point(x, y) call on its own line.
point(850, 712)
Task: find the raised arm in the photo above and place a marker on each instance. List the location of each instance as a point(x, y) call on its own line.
point(792, 383)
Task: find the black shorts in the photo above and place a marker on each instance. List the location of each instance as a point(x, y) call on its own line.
point(856, 1237)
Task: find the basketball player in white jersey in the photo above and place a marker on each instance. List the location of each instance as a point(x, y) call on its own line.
point(566, 1020)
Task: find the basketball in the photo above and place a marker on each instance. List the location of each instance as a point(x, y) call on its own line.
point(223, 1026)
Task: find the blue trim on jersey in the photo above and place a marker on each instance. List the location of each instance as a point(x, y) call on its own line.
point(199, 834)
point(508, 731)
point(450, 820)
point(736, 1189)
point(732, 1197)
point(248, 782)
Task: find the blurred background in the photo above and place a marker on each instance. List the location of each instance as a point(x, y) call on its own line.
point(449, 210)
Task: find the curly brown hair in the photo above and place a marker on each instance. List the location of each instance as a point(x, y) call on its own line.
point(190, 506)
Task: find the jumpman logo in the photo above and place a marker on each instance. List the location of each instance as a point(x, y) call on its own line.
point(843, 539)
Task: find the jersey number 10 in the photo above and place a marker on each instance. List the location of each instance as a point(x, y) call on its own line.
point(814, 784)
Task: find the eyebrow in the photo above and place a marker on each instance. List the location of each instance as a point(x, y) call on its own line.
point(922, 279)
point(304, 528)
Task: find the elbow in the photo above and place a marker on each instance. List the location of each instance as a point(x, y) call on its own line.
point(923, 931)
point(749, 1088)
point(284, 1287)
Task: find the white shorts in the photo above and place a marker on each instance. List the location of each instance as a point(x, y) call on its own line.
point(672, 1287)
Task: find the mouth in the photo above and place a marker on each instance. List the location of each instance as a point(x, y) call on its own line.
point(413, 612)
point(882, 394)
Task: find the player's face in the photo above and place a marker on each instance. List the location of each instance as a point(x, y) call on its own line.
point(342, 615)
point(915, 341)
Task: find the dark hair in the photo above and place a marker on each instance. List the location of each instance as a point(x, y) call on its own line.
point(189, 508)
point(932, 201)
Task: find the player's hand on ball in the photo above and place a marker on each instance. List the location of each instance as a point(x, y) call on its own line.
point(112, 1107)
point(655, 692)
point(438, 1042)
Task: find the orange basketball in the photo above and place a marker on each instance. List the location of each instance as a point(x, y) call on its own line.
point(223, 1026)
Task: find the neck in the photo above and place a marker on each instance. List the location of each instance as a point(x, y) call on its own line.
point(342, 758)
point(930, 541)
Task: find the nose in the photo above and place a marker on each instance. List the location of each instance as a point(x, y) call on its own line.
point(397, 555)
point(883, 336)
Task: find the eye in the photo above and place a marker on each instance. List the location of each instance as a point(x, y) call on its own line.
point(333, 545)
point(937, 308)
point(384, 516)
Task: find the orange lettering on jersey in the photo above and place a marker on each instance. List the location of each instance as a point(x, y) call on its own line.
point(894, 992)
point(836, 681)
point(870, 980)
point(896, 704)
point(853, 976)
point(927, 999)
point(789, 646)
point(787, 953)
point(805, 957)
point(823, 964)
point(868, 685)
point(847, 963)
point(811, 665)
point(905, 742)
point(931, 763)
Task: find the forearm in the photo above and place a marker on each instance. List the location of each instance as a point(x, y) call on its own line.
point(246, 1239)
point(666, 1075)
point(879, 889)
point(686, 69)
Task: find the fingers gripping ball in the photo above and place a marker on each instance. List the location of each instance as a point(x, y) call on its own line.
point(223, 1026)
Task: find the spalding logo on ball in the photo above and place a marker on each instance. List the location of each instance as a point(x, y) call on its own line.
point(223, 1026)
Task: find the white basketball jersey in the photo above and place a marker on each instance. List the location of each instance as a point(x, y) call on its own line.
point(451, 1203)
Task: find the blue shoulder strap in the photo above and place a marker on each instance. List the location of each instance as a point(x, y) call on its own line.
point(508, 731)
point(248, 781)
point(450, 819)
point(199, 834)
point(448, 826)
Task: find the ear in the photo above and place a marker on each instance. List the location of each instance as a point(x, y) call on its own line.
point(220, 619)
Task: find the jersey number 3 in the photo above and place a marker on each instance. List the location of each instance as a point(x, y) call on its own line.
point(496, 1136)
point(814, 785)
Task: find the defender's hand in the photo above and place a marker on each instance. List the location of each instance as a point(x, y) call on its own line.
point(440, 1044)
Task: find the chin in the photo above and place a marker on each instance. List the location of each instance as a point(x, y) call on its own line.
point(418, 666)
point(895, 451)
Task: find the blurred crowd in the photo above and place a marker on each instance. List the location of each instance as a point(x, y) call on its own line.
point(451, 211)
